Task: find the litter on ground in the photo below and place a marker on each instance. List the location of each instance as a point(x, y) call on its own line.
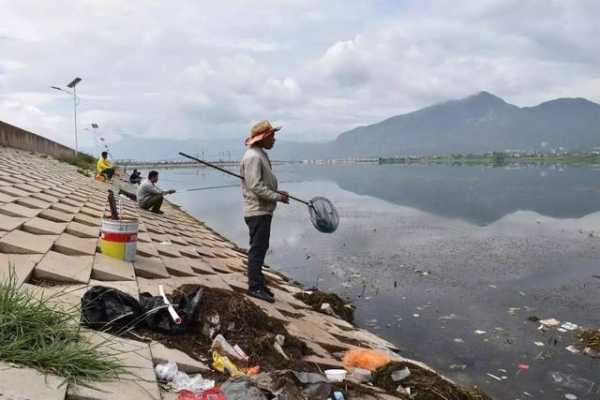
point(550, 322)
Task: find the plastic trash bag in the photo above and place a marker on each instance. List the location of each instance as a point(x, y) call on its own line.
point(210, 394)
point(104, 308)
point(241, 388)
point(158, 318)
point(166, 372)
point(195, 383)
point(365, 358)
point(293, 385)
point(224, 364)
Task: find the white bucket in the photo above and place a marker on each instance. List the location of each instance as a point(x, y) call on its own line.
point(118, 238)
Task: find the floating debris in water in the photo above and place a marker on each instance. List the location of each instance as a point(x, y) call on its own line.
point(550, 322)
point(448, 317)
point(459, 340)
point(569, 326)
point(572, 382)
point(539, 344)
point(494, 377)
point(573, 349)
point(480, 332)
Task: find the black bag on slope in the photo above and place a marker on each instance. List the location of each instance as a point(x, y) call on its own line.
point(105, 308)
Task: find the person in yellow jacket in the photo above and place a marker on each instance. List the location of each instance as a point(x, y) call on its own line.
point(105, 167)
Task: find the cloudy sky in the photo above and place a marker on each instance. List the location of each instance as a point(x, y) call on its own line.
point(204, 69)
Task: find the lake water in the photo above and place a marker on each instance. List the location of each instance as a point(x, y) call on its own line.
point(446, 262)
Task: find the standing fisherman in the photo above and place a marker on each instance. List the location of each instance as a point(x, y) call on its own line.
point(259, 189)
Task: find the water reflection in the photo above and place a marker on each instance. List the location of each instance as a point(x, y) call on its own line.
point(477, 194)
point(409, 251)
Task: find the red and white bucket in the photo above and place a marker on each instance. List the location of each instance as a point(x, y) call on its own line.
point(118, 239)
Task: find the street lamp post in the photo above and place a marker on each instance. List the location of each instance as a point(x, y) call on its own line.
point(73, 85)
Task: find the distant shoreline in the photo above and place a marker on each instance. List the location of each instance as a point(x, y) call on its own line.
point(495, 159)
point(499, 159)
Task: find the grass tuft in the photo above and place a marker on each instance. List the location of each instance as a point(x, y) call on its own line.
point(82, 161)
point(35, 335)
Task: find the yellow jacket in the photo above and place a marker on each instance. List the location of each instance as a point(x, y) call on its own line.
point(102, 164)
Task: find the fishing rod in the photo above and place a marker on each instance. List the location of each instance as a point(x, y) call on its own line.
point(222, 187)
point(211, 187)
point(323, 214)
point(236, 175)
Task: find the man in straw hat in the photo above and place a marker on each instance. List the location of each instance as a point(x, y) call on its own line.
point(259, 189)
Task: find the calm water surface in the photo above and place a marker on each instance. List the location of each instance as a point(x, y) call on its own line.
point(446, 262)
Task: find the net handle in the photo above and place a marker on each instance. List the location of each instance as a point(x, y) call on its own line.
point(236, 175)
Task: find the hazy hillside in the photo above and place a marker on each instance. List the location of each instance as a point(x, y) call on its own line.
point(476, 124)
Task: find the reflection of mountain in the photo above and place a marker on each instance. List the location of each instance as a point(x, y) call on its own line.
point(478, 195)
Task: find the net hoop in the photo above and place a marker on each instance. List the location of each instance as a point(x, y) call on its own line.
point(323, 214)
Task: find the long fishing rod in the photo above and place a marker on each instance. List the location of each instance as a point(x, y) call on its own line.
point(222, 187)
point(323, 214)
point(234, 174)
point(211, 187)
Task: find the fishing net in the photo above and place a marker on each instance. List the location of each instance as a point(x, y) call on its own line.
point(323, 214)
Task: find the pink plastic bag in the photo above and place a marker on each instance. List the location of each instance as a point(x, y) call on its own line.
point(210, 394)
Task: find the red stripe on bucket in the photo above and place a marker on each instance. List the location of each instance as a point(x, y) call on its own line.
point(119, 237)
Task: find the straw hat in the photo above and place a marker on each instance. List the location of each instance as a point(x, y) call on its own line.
point(260, 131)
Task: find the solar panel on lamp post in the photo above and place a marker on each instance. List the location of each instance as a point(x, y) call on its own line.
point(72, 85)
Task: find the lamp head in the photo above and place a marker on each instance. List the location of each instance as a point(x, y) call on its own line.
point(74, 83)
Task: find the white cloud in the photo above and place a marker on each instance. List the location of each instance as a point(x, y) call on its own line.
point(345, 62)
point(285, 90)
point(203, 69)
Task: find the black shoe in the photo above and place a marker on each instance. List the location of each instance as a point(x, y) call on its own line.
point(261, 294)
point(269, 292)
point(157, 212)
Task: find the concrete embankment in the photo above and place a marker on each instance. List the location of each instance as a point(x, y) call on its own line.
point(50, 217)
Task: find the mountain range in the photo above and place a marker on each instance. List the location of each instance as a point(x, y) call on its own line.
point(476, 124)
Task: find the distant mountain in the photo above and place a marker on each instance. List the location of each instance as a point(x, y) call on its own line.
point(476, 124)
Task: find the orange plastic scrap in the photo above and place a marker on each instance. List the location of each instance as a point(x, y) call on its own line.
point(365, 358)
point(252, 371)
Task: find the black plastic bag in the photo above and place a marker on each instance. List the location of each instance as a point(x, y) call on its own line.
point(107, 308)
point(160, 319)
point(103, 308)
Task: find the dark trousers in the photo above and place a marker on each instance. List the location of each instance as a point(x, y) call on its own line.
point(109, 172)
point(259, 228)
point(153, 202)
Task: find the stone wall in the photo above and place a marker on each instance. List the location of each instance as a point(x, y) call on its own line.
point(11, 136)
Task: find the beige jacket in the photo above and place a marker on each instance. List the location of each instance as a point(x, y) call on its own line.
point(259, 186)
